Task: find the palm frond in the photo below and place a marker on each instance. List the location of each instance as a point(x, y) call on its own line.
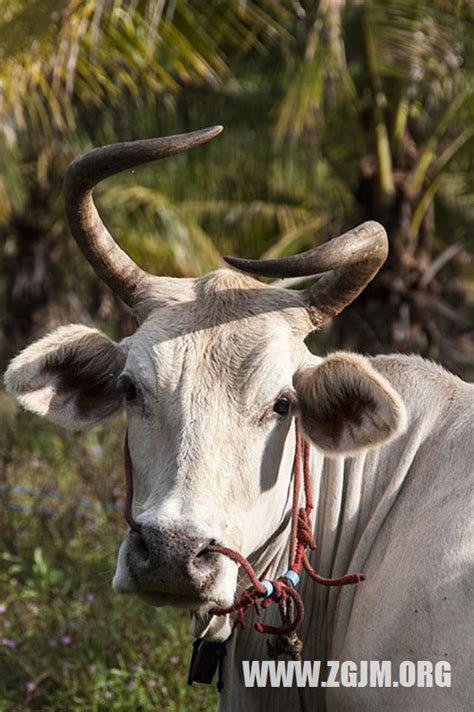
point(191, 250)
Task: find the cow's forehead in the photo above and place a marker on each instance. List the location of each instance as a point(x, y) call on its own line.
point(228, 330)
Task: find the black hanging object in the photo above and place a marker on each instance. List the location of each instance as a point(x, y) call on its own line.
point(207, 657)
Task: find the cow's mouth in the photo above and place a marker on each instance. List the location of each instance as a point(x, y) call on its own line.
point(175, 588)
point(204, 624)
point(177, 600)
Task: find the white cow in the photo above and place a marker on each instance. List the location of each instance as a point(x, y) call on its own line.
point(211, 381)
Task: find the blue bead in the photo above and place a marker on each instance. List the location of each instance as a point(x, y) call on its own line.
point(293, 577)
point(269, 586)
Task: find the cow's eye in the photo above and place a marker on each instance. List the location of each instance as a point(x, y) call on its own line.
point(282, 405)
point(128, 388)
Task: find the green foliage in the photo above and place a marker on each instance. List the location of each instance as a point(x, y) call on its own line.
point(67, 642)
point(94, 54)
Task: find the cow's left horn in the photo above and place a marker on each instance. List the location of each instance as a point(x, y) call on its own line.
point(111, 263)
point(351, 261)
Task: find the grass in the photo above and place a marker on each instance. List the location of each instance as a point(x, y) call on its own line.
point(67, 642)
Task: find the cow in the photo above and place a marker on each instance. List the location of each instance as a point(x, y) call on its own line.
point(211, 381)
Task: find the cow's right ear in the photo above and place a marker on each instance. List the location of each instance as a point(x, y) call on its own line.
point(69, 376)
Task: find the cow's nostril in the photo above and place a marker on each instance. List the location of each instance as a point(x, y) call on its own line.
point(206, 551)
point(141, 550)
point(204, 561)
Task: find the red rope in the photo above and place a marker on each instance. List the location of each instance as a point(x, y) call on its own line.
point(296, 498)
point(307, 477)
point(286, 592)
point(341, 581)
point(301, 539)
point(238, 558)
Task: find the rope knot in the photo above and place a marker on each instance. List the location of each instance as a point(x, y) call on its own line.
point(289, 645)
point(304, 532)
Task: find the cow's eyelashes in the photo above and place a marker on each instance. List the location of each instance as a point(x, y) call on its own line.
point(282, 405)
point(128, 387)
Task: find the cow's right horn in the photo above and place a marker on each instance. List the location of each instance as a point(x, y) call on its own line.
point(109, 261)
point(351, 261)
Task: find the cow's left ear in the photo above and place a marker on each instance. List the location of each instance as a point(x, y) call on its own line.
point(346, 406)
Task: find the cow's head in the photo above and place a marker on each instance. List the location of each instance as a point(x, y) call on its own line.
point(210, 382)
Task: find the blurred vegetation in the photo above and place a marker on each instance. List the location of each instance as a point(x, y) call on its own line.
point(67, 642)
point(335, 112)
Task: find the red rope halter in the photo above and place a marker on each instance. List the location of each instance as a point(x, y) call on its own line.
point(282, 589)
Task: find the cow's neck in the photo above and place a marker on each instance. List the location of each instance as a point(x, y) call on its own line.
point(352, 498)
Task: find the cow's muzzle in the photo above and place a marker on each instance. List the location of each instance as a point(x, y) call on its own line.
point(172, 562)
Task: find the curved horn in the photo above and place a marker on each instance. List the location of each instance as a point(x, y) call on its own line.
point(109, 261)
point(352, 260)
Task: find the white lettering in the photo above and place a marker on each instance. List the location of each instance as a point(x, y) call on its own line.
point(407, 673)
point(363, 673)
point(380, 673)
point(442, 673)
point(333, 666)
point(348, 673)
point(424, 673)
point(307, 673)
point(372, 673)
point(255, 672)
point(281, 672)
